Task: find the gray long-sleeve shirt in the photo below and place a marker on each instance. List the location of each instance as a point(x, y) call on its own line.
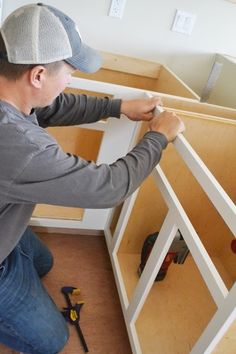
point(34, 169)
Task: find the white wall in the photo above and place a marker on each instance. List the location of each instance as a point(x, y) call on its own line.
point(144, 31)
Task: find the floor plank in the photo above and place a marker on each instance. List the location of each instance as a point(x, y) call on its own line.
point(83, 262)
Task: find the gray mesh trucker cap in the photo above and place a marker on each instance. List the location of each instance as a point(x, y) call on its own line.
point(41, 34)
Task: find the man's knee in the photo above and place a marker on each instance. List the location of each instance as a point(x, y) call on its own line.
point(44, 266)
point(54, 344)
point(59, 343)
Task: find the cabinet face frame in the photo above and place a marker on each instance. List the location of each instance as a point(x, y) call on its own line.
point(118, 134)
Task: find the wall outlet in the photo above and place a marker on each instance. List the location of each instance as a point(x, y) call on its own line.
point(117, 8)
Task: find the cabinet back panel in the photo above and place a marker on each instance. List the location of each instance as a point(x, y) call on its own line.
point(121, 78)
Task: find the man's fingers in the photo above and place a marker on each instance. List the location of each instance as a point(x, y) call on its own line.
point(156, 101)
point(147, 116)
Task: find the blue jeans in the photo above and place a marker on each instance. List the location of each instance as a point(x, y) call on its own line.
point(29, 320)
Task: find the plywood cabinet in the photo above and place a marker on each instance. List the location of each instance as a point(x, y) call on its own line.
point(178, 309)
point(141, 74)
point(190, 310)
point(91, 142)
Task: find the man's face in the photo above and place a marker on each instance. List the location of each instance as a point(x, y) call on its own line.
point(55, 82)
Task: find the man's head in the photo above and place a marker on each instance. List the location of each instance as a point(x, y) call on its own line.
point(41, 34)
point(40, 47)
point(15, 71)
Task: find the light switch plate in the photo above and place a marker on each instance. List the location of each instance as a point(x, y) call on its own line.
point(183, 22)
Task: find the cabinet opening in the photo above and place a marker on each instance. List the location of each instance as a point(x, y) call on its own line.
point(176, 311)
point(78, 141)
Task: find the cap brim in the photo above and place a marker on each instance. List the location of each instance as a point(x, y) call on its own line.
point(88, 60)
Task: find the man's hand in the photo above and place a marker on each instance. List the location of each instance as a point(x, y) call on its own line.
point(167, 123)
point(141, 109)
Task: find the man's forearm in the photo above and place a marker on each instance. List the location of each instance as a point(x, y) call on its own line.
point(70, 109)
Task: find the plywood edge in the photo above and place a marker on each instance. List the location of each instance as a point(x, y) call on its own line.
point(190, 105)
point(203, 116)
point(227, 344)
point(130, 65)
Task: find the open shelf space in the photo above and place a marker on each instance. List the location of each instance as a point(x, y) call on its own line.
point(78, 141)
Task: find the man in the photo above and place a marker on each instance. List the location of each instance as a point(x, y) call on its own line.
point(40, 48)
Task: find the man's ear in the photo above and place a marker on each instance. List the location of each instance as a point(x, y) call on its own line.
point(37, 76)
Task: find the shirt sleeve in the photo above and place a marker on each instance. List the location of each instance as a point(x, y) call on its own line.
point(70, 109)
point(54, 177)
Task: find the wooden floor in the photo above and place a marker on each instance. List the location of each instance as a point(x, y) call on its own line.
point(83, 261)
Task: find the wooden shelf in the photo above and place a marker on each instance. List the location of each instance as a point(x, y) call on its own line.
point(58, 212)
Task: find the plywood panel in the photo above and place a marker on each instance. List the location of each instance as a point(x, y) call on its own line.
point(151, 84)
point(169, 83)
point(130, 65)
point(227, 345)
point(77, 91)
point(147, 217)
point(138, 73)
point(121, 78)
point(78, 141)
point(197, 107)
point(215, 142)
